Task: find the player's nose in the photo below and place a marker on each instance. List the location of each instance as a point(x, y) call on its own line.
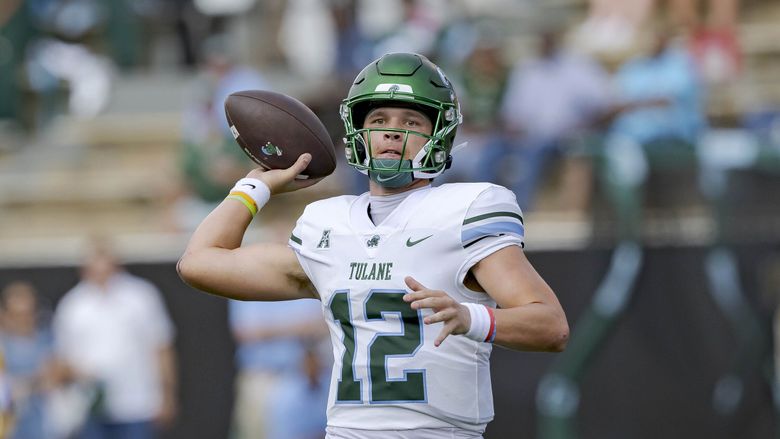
point(391, 135)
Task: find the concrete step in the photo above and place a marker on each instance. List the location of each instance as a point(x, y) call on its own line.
point(77, 219)
point(89, 174)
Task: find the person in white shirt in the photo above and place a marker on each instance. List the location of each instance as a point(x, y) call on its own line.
point(552, 102)
point(113, 335)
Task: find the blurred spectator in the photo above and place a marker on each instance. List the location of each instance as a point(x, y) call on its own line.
point(63, 66)
point(6, 404)
point(27, 345)
point(660, 134)
point(668, 76)
point(268, 335)
point(353, 49)
point(310, 53)
point(303, 389)
point(224, 7)
point(113, 335)
point(417, 31)
point(271, 356)
point(482, 79)
point(549, 100)
point(764, 122)
point(211, 160)
point(88, 77)
point(719, 13)
point(16, 30)
point(611, 29)
point(713, 38)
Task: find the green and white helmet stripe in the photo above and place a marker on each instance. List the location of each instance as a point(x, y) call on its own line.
point(402, 80)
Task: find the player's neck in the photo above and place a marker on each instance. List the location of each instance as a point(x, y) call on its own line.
point(376, 189)
point(381, 206)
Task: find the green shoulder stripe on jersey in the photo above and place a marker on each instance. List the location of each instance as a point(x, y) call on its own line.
point(492, 215)
point(296, 239)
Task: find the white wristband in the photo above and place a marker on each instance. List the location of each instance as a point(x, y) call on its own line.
point(257, 192)
point(483, 323)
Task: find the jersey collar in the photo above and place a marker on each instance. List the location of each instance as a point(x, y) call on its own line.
point(397, 219)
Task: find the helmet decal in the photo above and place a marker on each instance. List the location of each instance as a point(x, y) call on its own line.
point(393, 88)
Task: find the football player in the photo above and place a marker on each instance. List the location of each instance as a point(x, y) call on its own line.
point(416, 282)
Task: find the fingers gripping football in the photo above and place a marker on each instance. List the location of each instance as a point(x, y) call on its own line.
point(284, 180)
point(456, 317)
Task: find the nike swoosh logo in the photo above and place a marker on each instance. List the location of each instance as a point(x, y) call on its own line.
point(250, 185)
point(410, 243)
point(380, 179)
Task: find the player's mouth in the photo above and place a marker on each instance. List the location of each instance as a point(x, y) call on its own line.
point(388, 153)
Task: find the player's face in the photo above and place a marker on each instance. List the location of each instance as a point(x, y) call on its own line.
point(390, 144)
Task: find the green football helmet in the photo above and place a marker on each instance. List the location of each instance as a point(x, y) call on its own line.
point(404, 80)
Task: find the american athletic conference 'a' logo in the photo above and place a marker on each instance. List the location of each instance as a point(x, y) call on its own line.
point(325, 240)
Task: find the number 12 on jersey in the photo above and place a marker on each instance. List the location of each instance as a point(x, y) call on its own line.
point(382, 346)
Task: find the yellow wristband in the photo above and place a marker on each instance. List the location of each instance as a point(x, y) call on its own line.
point(252, 192)
point(244, 198)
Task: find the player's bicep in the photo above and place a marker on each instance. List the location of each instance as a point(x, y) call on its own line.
point(264, 271)
point(510, 279)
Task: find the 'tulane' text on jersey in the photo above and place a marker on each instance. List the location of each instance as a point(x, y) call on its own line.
point(377, 271)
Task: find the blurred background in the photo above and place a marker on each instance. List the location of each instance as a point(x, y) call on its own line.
point(641, 137)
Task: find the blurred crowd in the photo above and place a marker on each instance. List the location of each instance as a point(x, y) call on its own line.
point(541, 87)
point(101, 364)
point(603, 96)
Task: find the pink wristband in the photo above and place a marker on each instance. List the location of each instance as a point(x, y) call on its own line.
point(483, 323)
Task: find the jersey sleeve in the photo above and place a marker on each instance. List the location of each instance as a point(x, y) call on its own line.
point(306, 236)
point(296, 241)
point(492, 222)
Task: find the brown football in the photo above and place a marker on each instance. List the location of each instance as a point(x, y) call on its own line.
point(274, 129)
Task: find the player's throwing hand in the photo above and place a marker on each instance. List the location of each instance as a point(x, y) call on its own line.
point(455, 316)
point(283, 180)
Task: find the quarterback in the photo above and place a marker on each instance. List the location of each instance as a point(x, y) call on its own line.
point(416, 282)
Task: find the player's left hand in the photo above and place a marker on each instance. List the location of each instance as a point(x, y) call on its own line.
point(455, 316)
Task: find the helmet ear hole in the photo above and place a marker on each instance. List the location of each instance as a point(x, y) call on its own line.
point(448, 164)
point(359, 113)
point(361, 149)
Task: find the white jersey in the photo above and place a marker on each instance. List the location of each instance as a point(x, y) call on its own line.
point(387, 373)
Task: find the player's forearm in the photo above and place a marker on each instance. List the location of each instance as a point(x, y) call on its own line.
point(532, 327)
point(222, 230)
